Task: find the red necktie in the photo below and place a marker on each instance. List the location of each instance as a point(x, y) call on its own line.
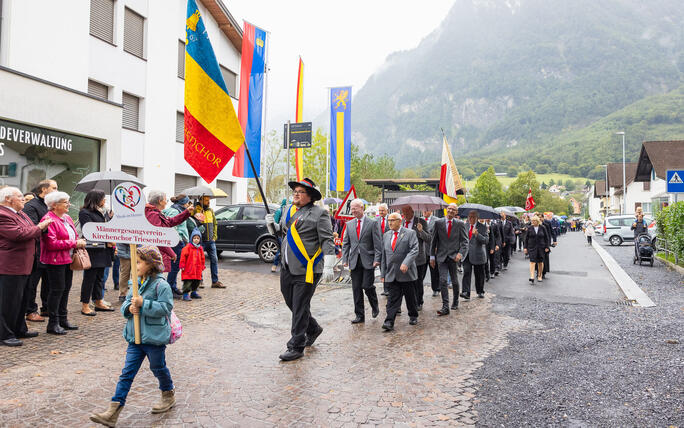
point(406, 225)
point(358, 229)
point(394, 240)
point(470, 234)
point(383, 225)
point(449, 229)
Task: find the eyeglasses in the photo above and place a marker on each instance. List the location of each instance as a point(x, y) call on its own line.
point(394, 219)
point(299, 192)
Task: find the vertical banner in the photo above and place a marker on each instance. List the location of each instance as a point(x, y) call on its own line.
point(449, 179)
point(299, 108)
point(340, 138)
point(212, 132)
point(251, 104)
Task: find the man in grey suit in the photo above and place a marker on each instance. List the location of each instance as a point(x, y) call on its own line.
point(362, 252)
point(307, 238)
point(449, 246)
point(477, 255)
point(430, 219)
point(418, 225)
point(398, 266)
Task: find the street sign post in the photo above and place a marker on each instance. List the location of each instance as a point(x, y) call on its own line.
point(299, 135)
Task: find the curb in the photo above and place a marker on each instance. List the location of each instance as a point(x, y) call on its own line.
point(626, 283)
point(668, 264)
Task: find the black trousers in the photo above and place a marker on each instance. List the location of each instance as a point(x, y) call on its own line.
point(479, 277)
point(12, 321)
point(297, 294)
point(418, 284)
point(362, 281)
point(448, 268)
point(397, 290)
point(434, 277)
point(492, 263)
point(486, 269)
point(520, 241)
point(92, 285)
point(506, 253)
point(59, 277)
point(38, 274)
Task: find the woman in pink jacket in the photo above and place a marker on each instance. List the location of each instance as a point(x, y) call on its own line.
point(56, 249)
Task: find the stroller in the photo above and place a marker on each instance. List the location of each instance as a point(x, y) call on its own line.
point(643, 249)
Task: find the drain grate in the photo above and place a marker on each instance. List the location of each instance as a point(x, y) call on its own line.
point(626, 302)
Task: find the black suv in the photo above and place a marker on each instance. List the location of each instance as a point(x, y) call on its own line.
point(242, 228)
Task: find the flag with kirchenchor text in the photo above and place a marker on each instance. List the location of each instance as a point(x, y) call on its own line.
point(212, 131)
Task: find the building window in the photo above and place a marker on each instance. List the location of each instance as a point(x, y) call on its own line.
point(181, 59)
point(180, 126)
point(131, 112)
point(182, 182)
point(226, 186)
point(102, 20)
point(134, 33)
point(97, 89)
point(231, 80)
point(129, 170)
point(647, 186)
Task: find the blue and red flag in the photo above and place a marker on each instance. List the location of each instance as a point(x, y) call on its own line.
point(250, 106)
point(212, 130)
point(340, 138)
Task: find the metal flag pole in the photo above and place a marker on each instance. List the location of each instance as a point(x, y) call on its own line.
point(287, 146)
point(264, 131)
point(258, 182)
point(327, 150)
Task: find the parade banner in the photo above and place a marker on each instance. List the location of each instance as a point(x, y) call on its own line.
point(529, 202)
point(299, 110)
point(212, 130)
point(340, 138)
point(449, 179)
point(251, 104)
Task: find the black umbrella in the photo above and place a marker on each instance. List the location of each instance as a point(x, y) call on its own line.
point(105, 181)
point(483, 211)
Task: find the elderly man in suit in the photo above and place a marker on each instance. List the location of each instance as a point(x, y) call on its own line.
point(383, 226)
point(399, 272)
point(495, 248)
point(362, 252)
point(17, 247)
point(507, 240)
point(448, 247)
point(307, 238)
point(477, 255)
point(418, 225)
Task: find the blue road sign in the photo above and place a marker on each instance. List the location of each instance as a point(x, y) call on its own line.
point(675, 181)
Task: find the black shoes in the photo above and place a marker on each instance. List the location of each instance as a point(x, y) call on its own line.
point(413, 321)
point(454, 307)
point(55, 329)
point(480, 295)
point(358, 320)
point(376, 312)
point(291, 355)
point(12, 342)
point(312, 338)
point(532, 280)
point(387, 326)
point(419, 307)
point(443, 311)
point(435, 293)
point(66, 325)
point(384, 293)
point(465, 296)
point(28, 335)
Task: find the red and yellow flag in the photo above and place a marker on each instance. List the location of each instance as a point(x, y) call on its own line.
point(299, 153)
point(212, 131)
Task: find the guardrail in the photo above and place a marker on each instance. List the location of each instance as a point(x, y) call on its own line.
point(664, 246)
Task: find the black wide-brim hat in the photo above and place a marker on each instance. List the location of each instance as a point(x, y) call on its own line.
point(310, 187)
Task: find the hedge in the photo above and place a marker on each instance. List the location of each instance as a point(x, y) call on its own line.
point(670, 222)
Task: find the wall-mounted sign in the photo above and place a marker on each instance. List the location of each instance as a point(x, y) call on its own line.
point(19, 133)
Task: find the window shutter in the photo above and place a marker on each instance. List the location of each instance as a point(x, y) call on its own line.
point(226, 186)
point(230, 78)
point(102, 19)
point(130, 170)
point(131, 111)
point(180, 127)
point(134, 33)
point(98, 89)
point(183, 182)
point(181, 59)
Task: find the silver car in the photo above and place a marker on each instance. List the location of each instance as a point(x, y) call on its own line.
point(618, 228)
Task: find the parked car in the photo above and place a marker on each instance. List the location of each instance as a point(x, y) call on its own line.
point(598, 228)
point(618, 228)
point(242, 228)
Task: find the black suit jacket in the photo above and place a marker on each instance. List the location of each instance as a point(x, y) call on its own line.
point(508, 232)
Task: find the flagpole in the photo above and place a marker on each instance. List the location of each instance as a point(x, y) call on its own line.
point(327, 150)
point(264, 131)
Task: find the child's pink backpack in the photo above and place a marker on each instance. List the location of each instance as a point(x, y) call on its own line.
point(176, 327)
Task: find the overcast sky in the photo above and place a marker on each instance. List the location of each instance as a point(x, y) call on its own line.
point(341, 43)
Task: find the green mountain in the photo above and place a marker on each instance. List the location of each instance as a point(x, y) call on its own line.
point(540, 82)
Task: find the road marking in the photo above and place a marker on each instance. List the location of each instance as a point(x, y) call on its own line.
point(626, 283)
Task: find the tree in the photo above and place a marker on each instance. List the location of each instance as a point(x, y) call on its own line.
point(273, 162)
point(542, 168)
point(517, 191)
point(368, 166)
point(467, 172)
point(587, 183)
point(569, 185)
point(552, 182)
point(544, 186)
point(488, 189)
point(512, 171)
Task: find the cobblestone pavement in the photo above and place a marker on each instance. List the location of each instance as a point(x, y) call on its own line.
point(226, 372)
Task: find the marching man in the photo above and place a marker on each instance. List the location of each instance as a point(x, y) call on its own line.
point(362, 251)
point(308, 252)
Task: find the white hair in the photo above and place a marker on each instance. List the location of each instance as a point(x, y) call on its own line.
point(357, 201)
point(8, 192)
point(156, 196)
point(383, 205)
point(56, 197)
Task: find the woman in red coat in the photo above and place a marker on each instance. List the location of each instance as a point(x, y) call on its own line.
point(192, 265)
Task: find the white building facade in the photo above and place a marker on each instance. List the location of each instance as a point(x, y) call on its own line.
point(91, 85)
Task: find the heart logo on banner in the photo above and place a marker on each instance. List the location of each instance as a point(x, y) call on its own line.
point(129, 198)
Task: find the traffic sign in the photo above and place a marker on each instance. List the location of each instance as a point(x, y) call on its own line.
point(675, 181)
point(300, 135)
point(344, 211)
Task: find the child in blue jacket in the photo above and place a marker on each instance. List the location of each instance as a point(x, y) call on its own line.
point(154, 305)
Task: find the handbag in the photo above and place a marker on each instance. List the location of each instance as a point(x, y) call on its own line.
point(80, 260)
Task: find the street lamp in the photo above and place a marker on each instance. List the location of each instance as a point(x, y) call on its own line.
point(605, 189)
point(624, 178)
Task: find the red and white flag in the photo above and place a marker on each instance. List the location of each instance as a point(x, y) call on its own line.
point(529, 203)
point(449, 179)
